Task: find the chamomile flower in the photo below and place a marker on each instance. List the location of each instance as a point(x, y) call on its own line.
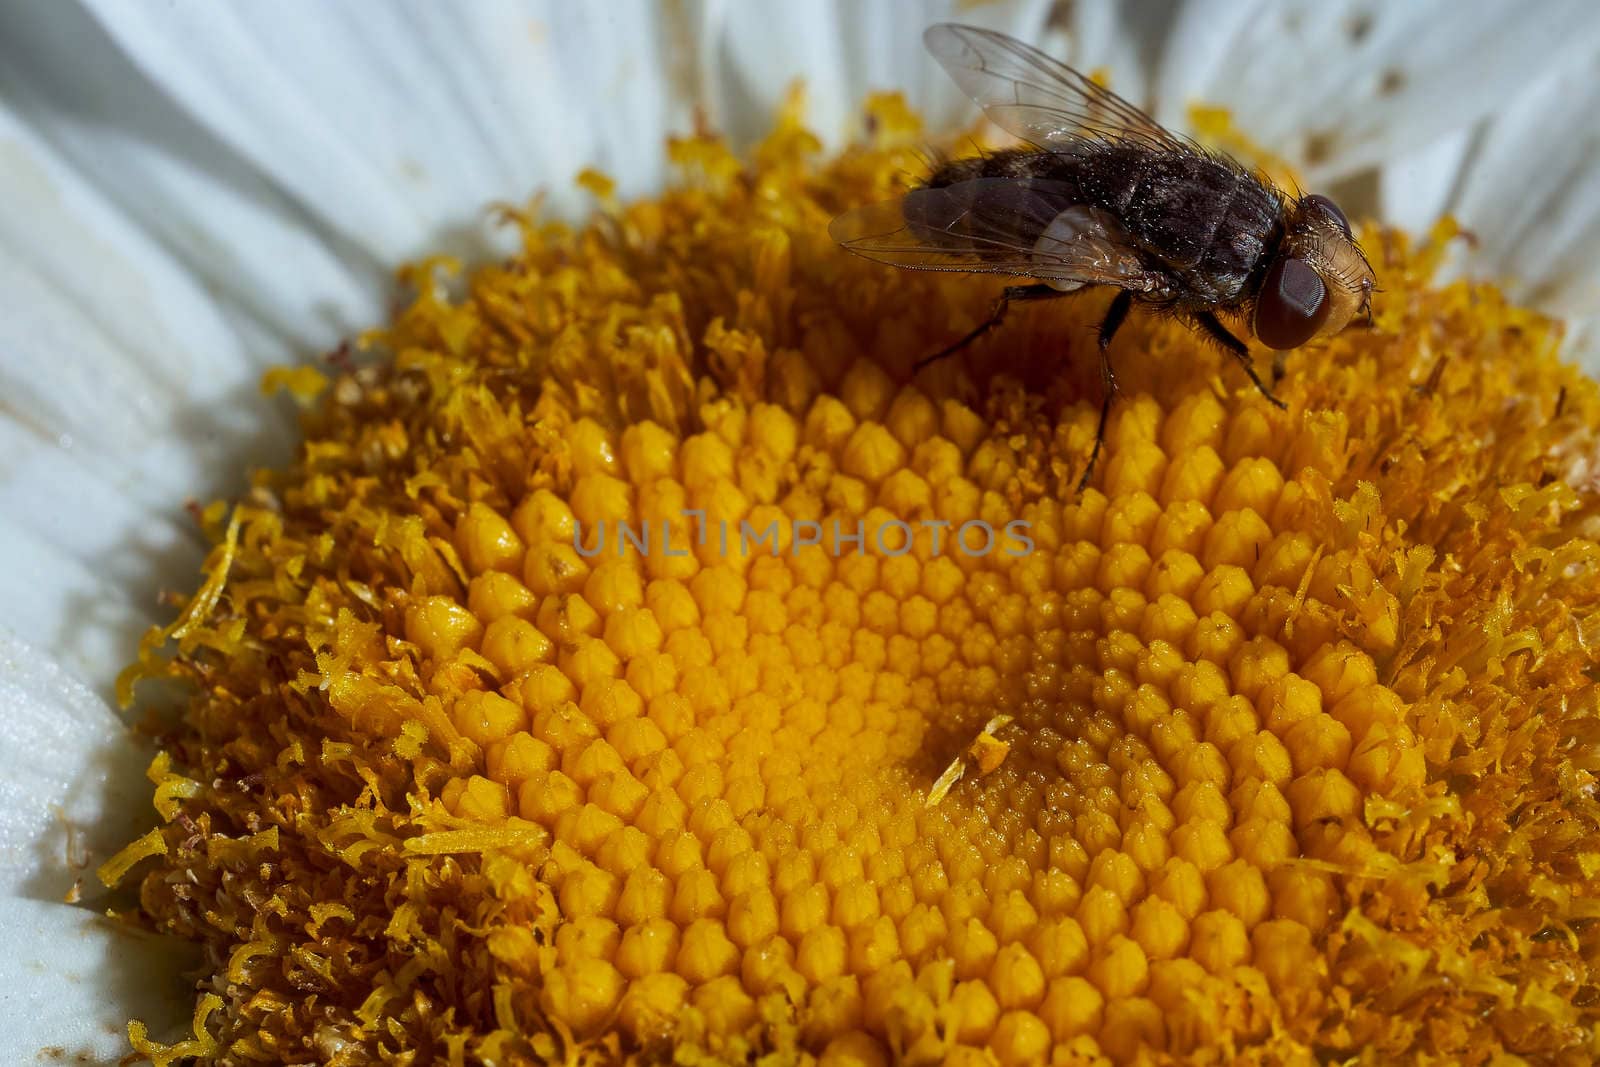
point(196, 193)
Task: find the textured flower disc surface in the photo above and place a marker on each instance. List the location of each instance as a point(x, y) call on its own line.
point(1299, 756)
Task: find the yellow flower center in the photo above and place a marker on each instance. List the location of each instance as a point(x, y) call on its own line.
point(584, 686)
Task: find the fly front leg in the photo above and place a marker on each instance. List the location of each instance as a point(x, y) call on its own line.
point(1011, 294)
point(1219, 333)
point(1115, 315)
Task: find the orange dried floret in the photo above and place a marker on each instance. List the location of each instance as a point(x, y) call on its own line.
point(1297, 705)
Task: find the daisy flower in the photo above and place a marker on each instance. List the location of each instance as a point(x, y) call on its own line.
point(1275, 742)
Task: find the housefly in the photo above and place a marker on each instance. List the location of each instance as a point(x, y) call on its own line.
point(1103, 195)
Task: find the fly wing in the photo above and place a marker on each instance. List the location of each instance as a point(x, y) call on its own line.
point(1037, 98)
point(1023, 226)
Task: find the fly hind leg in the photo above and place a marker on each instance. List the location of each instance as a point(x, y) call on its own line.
point(1115, 315)
point(1219, 333)
point(1012, 294)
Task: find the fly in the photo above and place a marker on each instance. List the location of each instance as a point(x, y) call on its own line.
point(1104, 195)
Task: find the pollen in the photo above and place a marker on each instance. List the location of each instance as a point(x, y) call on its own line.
point(641, 661)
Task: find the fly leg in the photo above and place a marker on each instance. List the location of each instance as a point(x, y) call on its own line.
point(1115, 314)
point(1011, 294)
point(1220, 334)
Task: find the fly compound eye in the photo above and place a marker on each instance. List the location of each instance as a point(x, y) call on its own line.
point(1293, 304)
point(1331, 209)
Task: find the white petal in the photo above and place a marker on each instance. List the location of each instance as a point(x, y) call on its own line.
point(223, 220)
point(106, 338)
point(72, 785)
point(1530, 193)
point(325, 135)
point(72, 793)
point(617, 74)
point(394, 124)
point(1416, 187)
point(751, 53)
point(112, 286)
point(1115, 38)
point(122, 393)
point(70, 981)
point(1196, 52)
point(76, 609)
point(1337, 86)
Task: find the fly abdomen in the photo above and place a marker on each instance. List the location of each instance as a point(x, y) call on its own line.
point(1000, 214)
